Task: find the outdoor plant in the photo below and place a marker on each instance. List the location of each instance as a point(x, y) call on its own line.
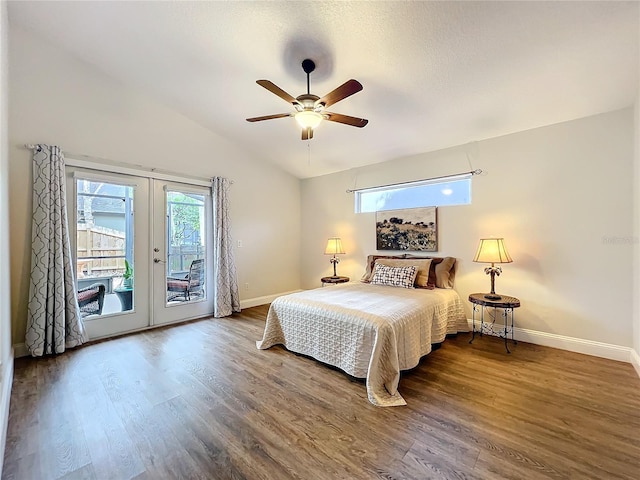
point(127, 275)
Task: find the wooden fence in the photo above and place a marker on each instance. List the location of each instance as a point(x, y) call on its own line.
point(181, 256)
point(102, 242)
point(99, 241)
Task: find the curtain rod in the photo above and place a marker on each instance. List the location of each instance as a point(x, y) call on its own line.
point(104, 161)
point(472, 172)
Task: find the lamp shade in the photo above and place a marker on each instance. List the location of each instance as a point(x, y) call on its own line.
point(308, 119)
point(334, 247)
point(492, 250)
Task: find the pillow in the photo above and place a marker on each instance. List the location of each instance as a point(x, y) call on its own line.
point(371, 260)
point(445, 272)
point(394, 276)
point(422, 265)
point(442, 271)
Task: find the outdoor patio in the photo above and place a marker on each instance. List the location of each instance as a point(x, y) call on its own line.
point(112, 304)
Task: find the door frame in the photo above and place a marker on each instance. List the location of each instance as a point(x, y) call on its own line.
point(163, 313)
point(103, 169)
point(116, 323)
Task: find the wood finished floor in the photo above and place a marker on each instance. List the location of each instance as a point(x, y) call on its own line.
point(199, 400)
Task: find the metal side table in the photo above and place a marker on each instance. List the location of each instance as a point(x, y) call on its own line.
point(506, 303)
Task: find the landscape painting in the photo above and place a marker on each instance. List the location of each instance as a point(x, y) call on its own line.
point(412, 229)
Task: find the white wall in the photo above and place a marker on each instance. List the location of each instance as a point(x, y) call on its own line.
point(556, 194)
point(6, 354)
point(57, 99)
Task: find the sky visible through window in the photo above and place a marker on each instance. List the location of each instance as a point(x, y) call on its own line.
point(431, 194)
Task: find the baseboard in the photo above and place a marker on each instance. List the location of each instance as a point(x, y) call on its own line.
point(635, 361)
point(578, 345)
point(572, 344)
point(5, 402)
point(254, 302)
point(20, 350)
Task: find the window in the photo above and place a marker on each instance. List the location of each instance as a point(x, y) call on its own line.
point(455, 190)
point(185, 230)
point(104, 239)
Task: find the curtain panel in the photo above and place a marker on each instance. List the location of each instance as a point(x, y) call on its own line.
point(225, 289)
point(53, 322)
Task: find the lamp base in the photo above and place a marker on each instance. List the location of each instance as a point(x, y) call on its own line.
point(492, 296)
point(335, 260)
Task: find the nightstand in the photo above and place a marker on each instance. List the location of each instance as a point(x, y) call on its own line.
point(333, 280)
point(506, 303)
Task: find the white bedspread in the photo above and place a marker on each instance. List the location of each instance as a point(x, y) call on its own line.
point(369, 331)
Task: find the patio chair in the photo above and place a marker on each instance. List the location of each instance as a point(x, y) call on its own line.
point(191, 285)
point(91, 299)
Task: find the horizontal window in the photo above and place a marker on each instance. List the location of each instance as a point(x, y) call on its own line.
point(454, 190)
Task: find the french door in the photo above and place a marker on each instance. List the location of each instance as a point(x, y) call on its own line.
point(182, 248)
point(142, 249)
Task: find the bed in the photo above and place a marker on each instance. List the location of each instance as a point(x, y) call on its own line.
point(370, 330)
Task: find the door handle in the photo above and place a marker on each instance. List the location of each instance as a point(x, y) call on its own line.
point(157, 260)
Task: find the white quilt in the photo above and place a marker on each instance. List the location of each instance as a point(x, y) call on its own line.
point(369, 331)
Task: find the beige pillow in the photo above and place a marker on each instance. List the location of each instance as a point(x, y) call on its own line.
point(445, 273)
point(442, 272)
point(422, 265)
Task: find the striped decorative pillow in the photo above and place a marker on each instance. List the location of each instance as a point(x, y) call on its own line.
point(394, 276)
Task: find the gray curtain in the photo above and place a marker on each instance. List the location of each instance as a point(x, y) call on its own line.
point(225, 289)
point(53, 322)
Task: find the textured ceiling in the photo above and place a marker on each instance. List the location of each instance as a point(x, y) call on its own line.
point(435, 74)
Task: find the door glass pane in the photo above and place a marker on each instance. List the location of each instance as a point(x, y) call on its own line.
point(104, 248)
point(186, 247)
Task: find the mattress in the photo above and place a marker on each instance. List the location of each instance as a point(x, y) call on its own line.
point(368, 331)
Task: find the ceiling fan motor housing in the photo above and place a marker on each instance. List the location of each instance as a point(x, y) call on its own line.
point(308, 101)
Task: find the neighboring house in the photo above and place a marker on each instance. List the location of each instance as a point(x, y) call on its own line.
point(105, 212)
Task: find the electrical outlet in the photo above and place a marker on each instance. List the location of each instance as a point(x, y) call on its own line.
point(246, 286)
point(239, 243)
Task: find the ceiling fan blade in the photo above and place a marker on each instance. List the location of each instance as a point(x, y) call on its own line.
point(343, 91)
point(346, 119)
point(268, 117)
point(307, 133)
point(273, 88)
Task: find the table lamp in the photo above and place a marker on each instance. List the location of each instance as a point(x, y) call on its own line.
point(492, 250)
point(334, 247)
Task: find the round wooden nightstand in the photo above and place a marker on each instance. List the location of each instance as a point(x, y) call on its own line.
point(506, 303)
point(333, 280)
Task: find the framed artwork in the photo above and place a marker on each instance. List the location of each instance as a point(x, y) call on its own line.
point(411, 229)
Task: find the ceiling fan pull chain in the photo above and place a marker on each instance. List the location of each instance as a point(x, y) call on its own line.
point(309, 152)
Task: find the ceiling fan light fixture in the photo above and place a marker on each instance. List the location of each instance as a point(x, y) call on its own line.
point(308, 119)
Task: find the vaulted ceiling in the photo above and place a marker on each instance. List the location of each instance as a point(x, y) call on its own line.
point(435, 74)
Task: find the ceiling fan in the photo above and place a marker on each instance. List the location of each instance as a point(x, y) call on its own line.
point(310, 109)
